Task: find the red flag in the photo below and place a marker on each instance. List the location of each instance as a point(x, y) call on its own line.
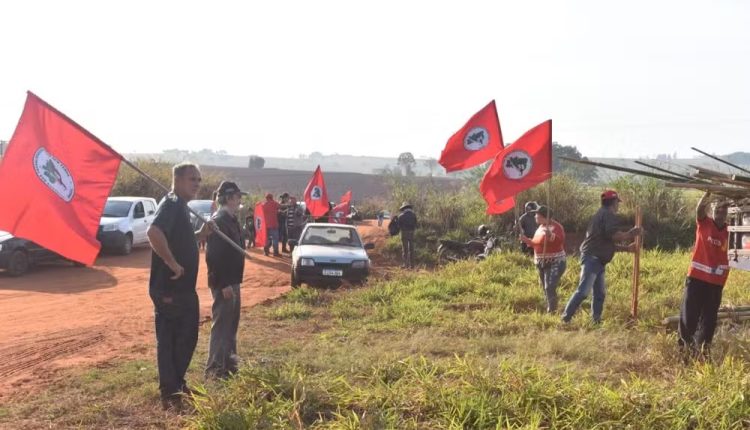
point(54, 181)
point(261, 236)
point(339, 213)
point(316, 196)
point(520, 166)
point(347, 197)
point(478, 140)
point(502, 206)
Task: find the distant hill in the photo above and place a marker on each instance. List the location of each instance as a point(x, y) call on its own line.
point(278, 181)
point(677, 165)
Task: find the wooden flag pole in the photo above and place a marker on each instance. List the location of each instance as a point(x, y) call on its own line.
point(636, 266)
point(226, 238)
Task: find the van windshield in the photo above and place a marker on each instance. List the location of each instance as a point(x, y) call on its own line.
point(116, 209)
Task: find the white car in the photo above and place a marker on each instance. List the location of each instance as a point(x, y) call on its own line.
point(124, 223)
point(329, 253)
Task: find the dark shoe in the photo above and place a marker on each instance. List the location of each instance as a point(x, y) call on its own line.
point(189, 391)
point(276, 254)
point(172, 402)
point(285, 251)
point(265, 252)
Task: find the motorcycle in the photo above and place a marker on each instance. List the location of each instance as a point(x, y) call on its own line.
point(476, 248)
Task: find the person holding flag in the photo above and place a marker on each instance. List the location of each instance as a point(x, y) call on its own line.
point(271, 210)
point(174, 272)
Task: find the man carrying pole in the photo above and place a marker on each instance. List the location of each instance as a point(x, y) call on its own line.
point(709, 269)
point(174, 272)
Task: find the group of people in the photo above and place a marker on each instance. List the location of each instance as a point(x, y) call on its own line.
point(707, 274)
point(284, 221)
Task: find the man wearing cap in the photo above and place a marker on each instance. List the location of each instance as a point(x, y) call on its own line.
point(282, 214)
point(407, 224)
point(527, 223)
point(271, 213)
point(174, 272)
point(548, 244)
point(709, 269)
point(225, 270)
point(597, 250)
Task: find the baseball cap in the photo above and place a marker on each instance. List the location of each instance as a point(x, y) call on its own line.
point(228, 188)
point(543, 211)
point(610, 195)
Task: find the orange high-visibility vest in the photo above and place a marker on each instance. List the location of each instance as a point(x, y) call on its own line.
point(710, 261)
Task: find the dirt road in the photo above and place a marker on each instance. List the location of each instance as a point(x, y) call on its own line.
point(59, 315)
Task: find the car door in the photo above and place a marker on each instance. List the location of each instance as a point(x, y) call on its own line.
point(150, 212)
point(139, 223)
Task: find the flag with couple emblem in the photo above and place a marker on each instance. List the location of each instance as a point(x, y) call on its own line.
point(477, 141)
point(259, 220)
point(520, 166)
point(316, 196)
point(342, 210)
point(54, 182)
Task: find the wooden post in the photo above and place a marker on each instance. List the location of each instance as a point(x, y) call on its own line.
point(636, 266)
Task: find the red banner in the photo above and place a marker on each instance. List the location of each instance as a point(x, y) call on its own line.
point(261, 235)
point(339, 213)
point(520, 166)
point(54, 182)
point(347, 197)
point(477, 141)
point(316, 196)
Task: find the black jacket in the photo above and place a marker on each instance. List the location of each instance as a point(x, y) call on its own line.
point(407, 220)
point(226, 265)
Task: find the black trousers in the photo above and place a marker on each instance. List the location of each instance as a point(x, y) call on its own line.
point(176, 338)
point(283, 234)
point(698, 313)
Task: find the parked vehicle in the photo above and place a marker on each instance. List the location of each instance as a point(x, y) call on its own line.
point(477, 248)
point(203, 207)
point(18, 255)
point(125, 222)
point(329, 253)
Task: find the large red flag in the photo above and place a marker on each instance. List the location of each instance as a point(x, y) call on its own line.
point(316, 196)
point(54, 181)
point(261, 235)
point(520, 166)
point(501, 206)
point(478, 141)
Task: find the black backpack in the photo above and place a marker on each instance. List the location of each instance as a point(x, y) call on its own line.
point(393, 227)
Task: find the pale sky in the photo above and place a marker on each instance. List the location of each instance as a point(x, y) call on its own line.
point(279, 78)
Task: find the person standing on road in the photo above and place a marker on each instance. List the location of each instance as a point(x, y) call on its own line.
point(549, 254)
point(225, 270)
point(294, 221)
point(709, 269)
point(407, 224)
point(250, 230)
point(271, 213)
point(281, 218)
point(527, 223)
point(381, 215)
point(597, 250)
point(174, 272)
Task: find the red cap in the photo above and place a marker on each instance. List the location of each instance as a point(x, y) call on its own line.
point(610, 195)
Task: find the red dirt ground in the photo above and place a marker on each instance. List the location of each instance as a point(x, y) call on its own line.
point(59, 316)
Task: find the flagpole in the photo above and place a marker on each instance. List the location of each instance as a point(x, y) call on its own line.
point(193, 211)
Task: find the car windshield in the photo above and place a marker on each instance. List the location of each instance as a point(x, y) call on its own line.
point(200, 206)
point(331, 236)
point(116, 209)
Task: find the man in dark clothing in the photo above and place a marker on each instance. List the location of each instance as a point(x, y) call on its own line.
point(225, 270)
point(294, 221)
point(407, 223)
point(283, 232)
point(249, 230)
point(597, 250)
point(174, 271)
point(528, 225)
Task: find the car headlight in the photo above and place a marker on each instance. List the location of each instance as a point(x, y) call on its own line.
point(110, 227)
point(306, 262)
point(359, 264)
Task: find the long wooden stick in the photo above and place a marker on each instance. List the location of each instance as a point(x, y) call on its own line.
point(720, 160)
point(622, 169)
point(669, 172)
point(636, 266)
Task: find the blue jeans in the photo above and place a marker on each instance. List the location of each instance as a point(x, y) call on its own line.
point(592, 278)
point(273, 240)
point(549, 276)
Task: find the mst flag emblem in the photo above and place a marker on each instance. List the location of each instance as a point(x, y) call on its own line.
point(476, 139)
point(517, 164)
point(54, 174)
point(316, 193)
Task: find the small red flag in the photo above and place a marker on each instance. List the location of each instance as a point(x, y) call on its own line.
point(261, 235)
point(520, 166)
point(347, 197)
point(316, 196)
point(54, 182)
point(339, 213)
point(478, 141)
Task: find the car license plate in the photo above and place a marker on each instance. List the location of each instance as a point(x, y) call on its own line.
point(333, 272)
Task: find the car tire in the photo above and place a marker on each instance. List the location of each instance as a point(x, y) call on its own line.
point(19, 263)
point(295, 282)
point(127, 245)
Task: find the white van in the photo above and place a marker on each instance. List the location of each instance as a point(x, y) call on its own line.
point(124, 223)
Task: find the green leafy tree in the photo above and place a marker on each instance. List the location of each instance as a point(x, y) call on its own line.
point(407, 162)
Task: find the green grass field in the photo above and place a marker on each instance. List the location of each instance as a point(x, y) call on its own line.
point(465, 347)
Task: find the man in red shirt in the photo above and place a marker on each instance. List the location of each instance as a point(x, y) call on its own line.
point(271, 212)
point(706, 277)
point(549, 253)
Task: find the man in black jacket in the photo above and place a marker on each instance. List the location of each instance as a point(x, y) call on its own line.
point(225, 269)
point(407, 223)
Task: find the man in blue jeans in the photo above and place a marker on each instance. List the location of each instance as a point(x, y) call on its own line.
point(602, 241)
